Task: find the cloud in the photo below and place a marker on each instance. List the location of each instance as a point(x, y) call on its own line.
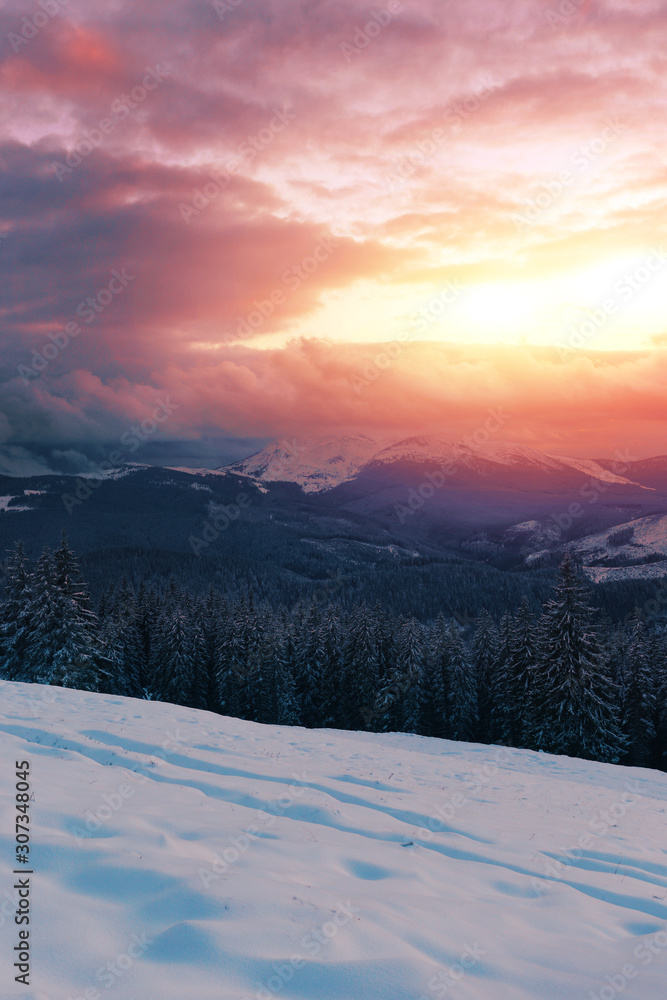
point(406, 151)
point(586, 403)
point(18, 461)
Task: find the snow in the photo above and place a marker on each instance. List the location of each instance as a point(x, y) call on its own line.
point(319, 465)
point(532, 533)
point(438, 451)
point(179, 854)
point(535, 558)
point(517, 454)
point(648, 537)
point(5, 502)
point(608, 574)
point(315, 465)
point(117, 472)
point(597, 471)
point(421, 449)
point(197, 472)
point(513, 454)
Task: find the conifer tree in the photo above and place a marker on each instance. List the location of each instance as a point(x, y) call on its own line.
point(485, 650)
point(659, 658)
point(64, 647)
point(200, 664)
point(111, 640)
point(227, 691)
point(501, 685)
point(121, 635)
point(309, 668)
point(463, 687)
point(521, 673)
point(640, 697)
point(246, 647)
point(435, 712)
point(575, 700)
point(360, 669)
point(148, 609)
point(16, 623)
point(173, 661)
point(209, 621)
point(330, 639)
point(288, 713)
point(410, 649)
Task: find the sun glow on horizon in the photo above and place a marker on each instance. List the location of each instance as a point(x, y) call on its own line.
point(620, 304)
point(473, 177)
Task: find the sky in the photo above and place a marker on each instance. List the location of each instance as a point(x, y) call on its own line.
point(266, 218)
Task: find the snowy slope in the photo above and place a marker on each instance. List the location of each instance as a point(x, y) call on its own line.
point(609, 574)
point(616, 549)
point(432, 451)
point(118, 472)
point(202, 471)
point(594, 470)
point(318, 465)
point(179, 855)
point(5, 504)
point(314, 464)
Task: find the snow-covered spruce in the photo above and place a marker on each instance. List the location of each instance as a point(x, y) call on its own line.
point(561, 680)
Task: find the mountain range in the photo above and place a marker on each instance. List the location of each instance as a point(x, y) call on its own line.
point(489, 497)
point(356, 502)
point(317, 465)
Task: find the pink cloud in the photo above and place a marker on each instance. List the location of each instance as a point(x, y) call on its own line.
point(588, 405)
point(357, 119)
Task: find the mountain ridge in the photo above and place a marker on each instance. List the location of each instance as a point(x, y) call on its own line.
point(320, 464)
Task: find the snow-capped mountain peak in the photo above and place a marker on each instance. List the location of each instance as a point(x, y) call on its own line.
point(317, 465)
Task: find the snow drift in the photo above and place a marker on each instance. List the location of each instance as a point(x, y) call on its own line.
point(179, 854)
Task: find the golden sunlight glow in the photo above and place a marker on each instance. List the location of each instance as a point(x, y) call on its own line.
point(503, 308)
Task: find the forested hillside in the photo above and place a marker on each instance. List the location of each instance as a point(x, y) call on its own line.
point(565, 679)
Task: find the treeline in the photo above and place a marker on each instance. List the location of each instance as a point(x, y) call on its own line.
point(562, 680)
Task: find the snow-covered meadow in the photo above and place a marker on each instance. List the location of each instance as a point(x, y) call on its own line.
point(180, 855)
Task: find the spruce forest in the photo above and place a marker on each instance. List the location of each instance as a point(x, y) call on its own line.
point(565, 681)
